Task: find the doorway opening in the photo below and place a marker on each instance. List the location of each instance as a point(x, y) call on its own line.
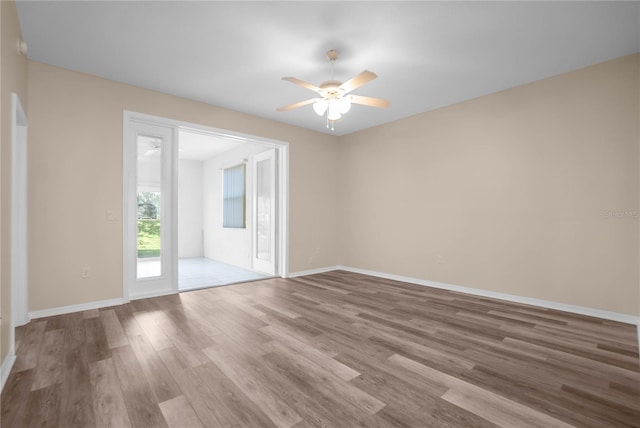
point(203, 207)
point(216, 192)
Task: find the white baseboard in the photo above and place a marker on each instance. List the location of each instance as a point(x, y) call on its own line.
point(152, 294)
point(75, 308)
point(313, 271)
point(597, 313)
point(7, 364)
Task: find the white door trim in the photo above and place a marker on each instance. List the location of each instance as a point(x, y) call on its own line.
point(19, 237)
point(283, 211)
point(283, 186)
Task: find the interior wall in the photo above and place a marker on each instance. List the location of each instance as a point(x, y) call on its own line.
point(190, 198)
point(13, 78)
point(228, 245)
point(530, 191)
point(75, 175)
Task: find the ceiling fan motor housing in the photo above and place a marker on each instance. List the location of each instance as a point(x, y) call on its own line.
point(332, 89)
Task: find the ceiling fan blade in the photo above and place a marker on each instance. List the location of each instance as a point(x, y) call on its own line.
point(368, 101)
point(296, 105)
point(303, 84)
point(359, 80)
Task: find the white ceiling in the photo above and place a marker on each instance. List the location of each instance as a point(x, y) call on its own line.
point(233, 54)
point(200, 146)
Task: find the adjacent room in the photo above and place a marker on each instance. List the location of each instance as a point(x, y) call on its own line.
point(320, 214)
point(213, 250)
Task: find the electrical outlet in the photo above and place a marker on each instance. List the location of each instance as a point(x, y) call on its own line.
point(86, 272)
point(440, 260)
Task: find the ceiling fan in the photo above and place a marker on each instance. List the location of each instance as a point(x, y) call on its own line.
point(334, 100)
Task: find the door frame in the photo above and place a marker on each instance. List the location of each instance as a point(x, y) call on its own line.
point(19, 219)
point(128, 266)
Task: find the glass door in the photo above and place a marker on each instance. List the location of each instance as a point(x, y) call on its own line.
point(264, 212)
point(149, 204)
point(151, 194)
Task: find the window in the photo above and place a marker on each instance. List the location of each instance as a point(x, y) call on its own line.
point(233, 197)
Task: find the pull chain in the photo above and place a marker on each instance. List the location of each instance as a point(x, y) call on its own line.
point(329, 121)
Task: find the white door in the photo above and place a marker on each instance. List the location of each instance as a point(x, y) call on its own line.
point(264, 212)
point(150, 213)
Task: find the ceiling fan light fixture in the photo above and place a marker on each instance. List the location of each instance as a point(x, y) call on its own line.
point(344, 104)
point(320, 106)
point(333, 112)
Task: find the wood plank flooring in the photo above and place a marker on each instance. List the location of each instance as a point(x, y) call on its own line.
point(330, 350)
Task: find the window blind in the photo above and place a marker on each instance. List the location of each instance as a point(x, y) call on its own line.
point(233, 194)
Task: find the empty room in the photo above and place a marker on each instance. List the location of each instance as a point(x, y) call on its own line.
point(319, 214)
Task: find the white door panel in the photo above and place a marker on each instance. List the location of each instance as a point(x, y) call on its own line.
point(151, 193)
point(265, 203)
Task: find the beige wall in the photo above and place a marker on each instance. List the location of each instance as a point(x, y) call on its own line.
point(510, 189)
point(75, 175)
point(13, 79)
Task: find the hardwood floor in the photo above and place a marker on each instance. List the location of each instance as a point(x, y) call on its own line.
point(330, 350)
